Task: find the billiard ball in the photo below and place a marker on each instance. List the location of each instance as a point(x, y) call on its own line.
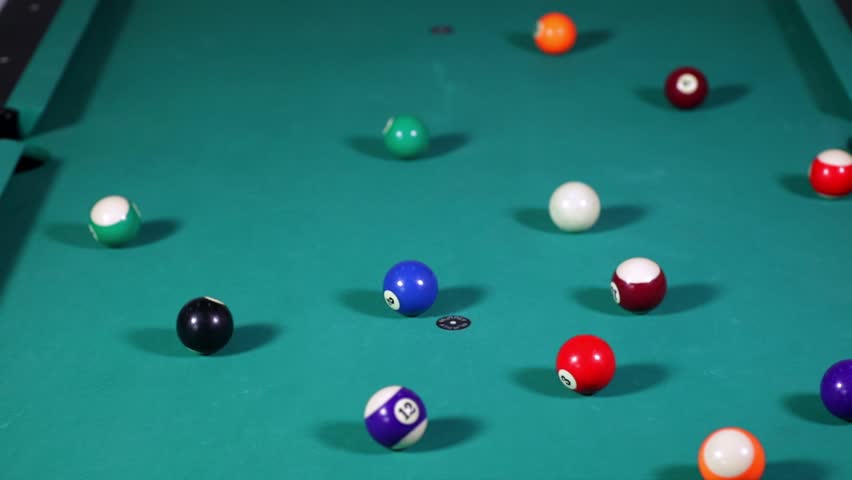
point(406, 136)
point(410, 288)
point(114, 221)
point(686, 87)
point(585, 364)
point(205, 325)
point(731, 453)
point(836, 390)
point(830, 173)
point(638, 285)
point(555, 33)
point(396, 417)
point(574, 207)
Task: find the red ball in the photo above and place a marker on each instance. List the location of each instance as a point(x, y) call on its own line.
point(638, 285)
point(831, 173)
point(686, 87)
point(585, 364)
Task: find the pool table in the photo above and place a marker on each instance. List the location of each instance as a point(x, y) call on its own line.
point(249, 135)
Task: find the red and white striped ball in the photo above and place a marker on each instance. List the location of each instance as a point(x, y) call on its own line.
point(830, 173)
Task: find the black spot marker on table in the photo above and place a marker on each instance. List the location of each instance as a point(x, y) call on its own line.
point(453, 322)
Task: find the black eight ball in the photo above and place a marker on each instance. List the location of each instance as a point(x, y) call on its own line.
point(205, 325)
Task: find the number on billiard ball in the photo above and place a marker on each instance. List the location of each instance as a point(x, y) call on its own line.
point(616, 297)
point(410, 288)
point(585, 364)
point(391, 300)
point(406, 411)
point(395, 417)
point(686, 87)
point(638, 285)
point(567, 379)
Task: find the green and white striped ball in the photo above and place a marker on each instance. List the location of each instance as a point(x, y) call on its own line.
point(114, 221)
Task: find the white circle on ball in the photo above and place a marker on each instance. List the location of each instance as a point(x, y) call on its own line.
point(391, 300)
point(616, 295)
point(110, 210)
point(687, 83)
point(729, 453)
point(835, 158)
point(574, 207)
point(567, 379)
point(215, 300)
point(638, 270)
point(406, 411)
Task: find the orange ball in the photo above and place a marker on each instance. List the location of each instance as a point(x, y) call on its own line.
point(555, 33)
point(731, 453)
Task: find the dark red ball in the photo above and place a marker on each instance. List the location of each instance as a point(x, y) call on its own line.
point(638, 285)
point(686, 87)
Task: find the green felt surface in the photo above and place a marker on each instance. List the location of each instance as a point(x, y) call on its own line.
point(44, 70)
point(835, 36)
point(250, 137)
point(10, 150)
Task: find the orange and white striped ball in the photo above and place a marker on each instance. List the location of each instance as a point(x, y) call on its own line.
point(731, 453)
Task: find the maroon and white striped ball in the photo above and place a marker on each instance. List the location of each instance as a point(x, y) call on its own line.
point(638, 285)
point(686, 87)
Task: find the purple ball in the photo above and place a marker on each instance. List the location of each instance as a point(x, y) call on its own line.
point(836, 390)
point(396, 417)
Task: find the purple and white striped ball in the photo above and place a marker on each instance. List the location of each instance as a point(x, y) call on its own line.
point(396, 417)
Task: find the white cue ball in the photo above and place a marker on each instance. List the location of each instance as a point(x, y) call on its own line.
point(574, 207)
